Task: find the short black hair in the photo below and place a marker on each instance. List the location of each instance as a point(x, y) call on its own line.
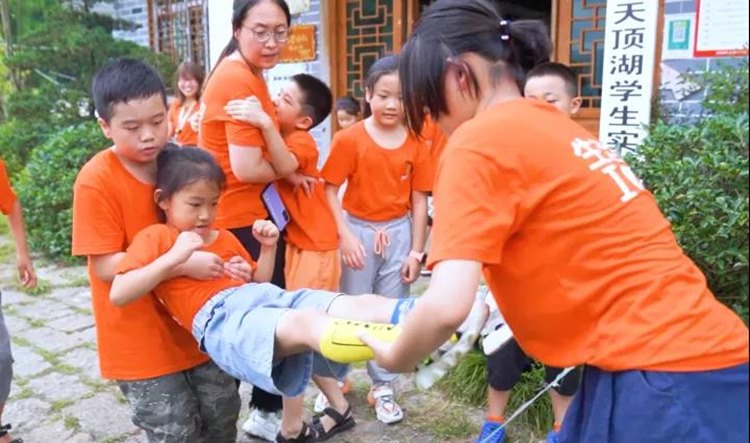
point(386, 65)
point(558, 70)
point(317, 99)
point(124, 80)
point(178, 167)
point(349, 104)
point(450, 28)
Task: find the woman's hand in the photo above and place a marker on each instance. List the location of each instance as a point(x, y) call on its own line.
point(352, 251)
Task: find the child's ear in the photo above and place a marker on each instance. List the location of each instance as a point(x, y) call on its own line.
point(160, 202)
point(304, 122)
point(106, 129)
point(575, 105)
point(368, 95)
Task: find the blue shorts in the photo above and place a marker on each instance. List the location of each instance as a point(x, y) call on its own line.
point(237, 329)
point(659, 407)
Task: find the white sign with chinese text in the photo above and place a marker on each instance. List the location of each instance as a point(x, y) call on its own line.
point(629, 61)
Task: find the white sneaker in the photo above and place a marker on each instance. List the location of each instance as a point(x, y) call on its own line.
point(264, 425)
point(386, 408)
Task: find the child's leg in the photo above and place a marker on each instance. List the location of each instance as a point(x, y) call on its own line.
point(562, 396)
point(504, 369)
point(292, 416)
point(361, 281)
point(218, 401)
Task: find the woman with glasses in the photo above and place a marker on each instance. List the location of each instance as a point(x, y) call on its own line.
point(260, 29)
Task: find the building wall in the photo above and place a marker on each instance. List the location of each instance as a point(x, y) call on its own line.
point(678, 103)
point(134, 11)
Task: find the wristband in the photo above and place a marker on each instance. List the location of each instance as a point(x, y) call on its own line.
point(418, 256)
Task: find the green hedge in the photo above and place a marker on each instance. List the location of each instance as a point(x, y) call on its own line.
point(698, 172)
point(45, 187)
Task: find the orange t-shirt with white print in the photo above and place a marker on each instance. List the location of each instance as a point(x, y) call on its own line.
point(180, 120)
point(380, 180)
point(312, 226)
point(140, 340)
point(240, 204)
point(7, 196)
point(182, 296)
point(583, 265)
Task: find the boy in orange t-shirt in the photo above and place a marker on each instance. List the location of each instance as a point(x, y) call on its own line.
point(312, 258)
point(156, 363)
point(10, 206)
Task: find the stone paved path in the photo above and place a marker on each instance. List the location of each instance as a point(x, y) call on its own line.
point(58, 394)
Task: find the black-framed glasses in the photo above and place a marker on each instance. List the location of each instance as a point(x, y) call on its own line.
point(262, 35)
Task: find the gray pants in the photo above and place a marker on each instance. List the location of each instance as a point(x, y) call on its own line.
point(197, 405)
point(6, 358)
point(381, 275)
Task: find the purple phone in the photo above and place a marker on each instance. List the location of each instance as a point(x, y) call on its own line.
point(275, 206)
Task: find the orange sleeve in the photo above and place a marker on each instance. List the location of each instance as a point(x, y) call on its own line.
point(7, 196)
point(304, 149)
point(477, 200)
point(423, 173)
point(342, 162)
point(148, 245)
point(98, 227)
point(243, 133)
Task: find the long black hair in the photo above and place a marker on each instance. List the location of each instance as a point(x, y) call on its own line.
point(450, 28)
point(178, 167)
point(240, 10)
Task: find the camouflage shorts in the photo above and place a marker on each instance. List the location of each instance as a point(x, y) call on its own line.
point(197, 405)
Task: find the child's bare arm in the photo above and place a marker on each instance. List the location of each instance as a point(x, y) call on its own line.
point(352, 250)
point(26, 273)
point(267, 235)
point(132, 285)
point(412, 265)
point(251, 111)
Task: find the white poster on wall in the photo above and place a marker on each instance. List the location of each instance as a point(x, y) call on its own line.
point(629, 60)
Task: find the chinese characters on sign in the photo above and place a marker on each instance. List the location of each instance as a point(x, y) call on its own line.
point(301, 46)
point(630, 48)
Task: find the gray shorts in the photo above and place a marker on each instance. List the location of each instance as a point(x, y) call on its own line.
point(198, 405)
point(237, 329)
point(6, 358)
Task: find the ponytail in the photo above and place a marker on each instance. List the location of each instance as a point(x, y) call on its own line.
point(450, 28)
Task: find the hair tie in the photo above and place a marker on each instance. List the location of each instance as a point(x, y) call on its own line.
point(504, 30)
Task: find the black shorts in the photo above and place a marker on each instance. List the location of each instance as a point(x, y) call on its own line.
point(504, 369)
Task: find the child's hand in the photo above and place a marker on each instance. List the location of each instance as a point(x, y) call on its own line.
point(352, 251)
point(249, 110)
point(203, 265)
point(26, 274)
point(237, 268)
point(187, 243)
point(410, 270)
point(265, 232)
point(305, 182)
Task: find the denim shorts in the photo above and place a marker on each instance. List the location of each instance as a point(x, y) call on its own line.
point(237, 328)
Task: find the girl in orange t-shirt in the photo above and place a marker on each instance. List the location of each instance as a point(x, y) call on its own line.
point(184, 108)
point(582, 264)
point(382, 230)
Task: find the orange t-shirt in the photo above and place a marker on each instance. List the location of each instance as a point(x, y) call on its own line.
point(7, 196)
point(180, 120)
point(137, 341)
point(582, 263)
point(380, 180)
point(436, 141)
point(240, 204)
point(182, 296)
point(312, 227)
